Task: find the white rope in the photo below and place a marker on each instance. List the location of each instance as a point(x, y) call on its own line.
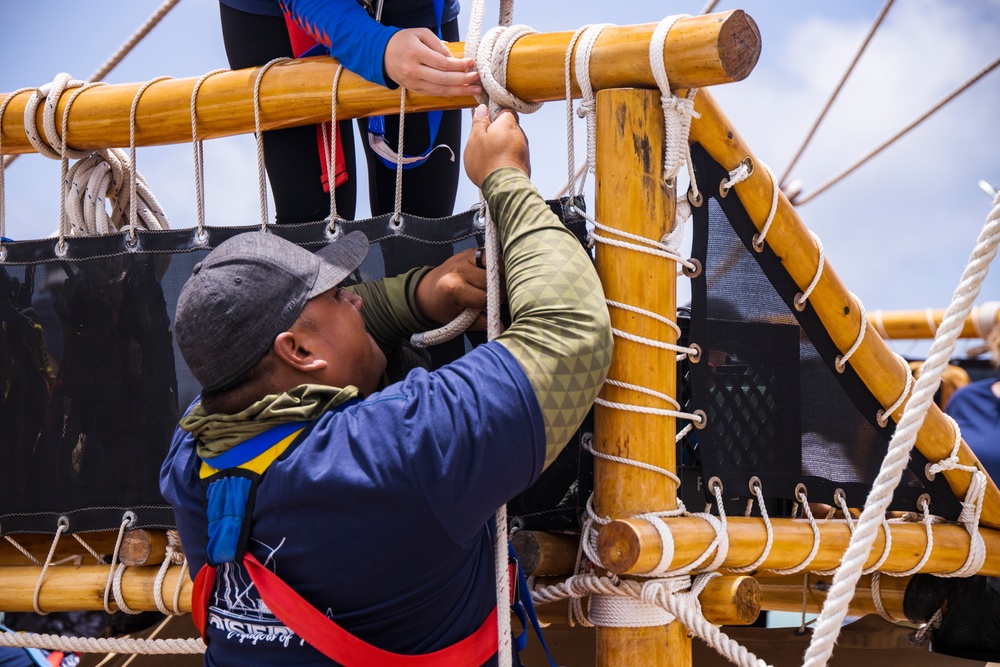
point(127, 519)
point(20, 547)
point(199, 159)
point(838, 599)
point(261, 173)
point(588, 103)
point(330, 147)
point(931, 324)
point(101, 644)
point(63, 526)
point(876, 589)
point(985, 318)
point(667, 594)
point(879, 325)
point(677, 112)
point(882, 416)
point(929, 546)
point(133, 181)
point(802, 297)
point(588, 444)
point(758, 492)
point(842, 359)
point(800, 493)
point(758, 239)
point(93, 552)
point(972, 505)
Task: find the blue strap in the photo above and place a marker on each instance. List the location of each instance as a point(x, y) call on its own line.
point(376, 124)
point(525, 608)
point(250, 449)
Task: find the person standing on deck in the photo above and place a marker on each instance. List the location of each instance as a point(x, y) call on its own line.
point(401, 47)
point(374, 506)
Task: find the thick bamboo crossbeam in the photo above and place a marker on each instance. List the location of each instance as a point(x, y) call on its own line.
point(699, 51)
point(878, 367)
point(78, 588)
point(784, 593)
point(725, 600)
point(545, 554)
point(633, 546)
point(139, 547)
point(916, 324)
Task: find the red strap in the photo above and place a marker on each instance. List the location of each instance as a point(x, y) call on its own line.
point(334, 642)
point(201, 593)
point(301, 42)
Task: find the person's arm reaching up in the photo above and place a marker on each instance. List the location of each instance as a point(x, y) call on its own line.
point(560, 331)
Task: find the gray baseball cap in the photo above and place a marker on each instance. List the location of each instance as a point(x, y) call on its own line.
point(248, 290)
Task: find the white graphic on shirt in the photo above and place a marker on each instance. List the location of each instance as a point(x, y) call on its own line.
point(237, 610)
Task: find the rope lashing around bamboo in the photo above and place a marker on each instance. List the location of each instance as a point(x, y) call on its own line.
point(97, 178)
point(625, 603)
point(835, 608)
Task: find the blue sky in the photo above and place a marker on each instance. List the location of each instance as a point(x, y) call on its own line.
point(898, 232)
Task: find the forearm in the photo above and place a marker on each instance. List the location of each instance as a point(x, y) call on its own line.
point(353, 37)
point(390, 312)
point(560, 332)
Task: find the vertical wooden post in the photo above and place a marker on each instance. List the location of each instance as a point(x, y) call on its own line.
point(633, 197)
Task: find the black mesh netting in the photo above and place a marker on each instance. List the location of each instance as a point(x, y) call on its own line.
point(777, 410)
point(92, 384)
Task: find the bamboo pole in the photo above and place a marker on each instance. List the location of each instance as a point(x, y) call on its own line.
point(139, 547)
point(633, 197)
point(543, 554)
point(878, 367)
point(699, 51)
point(784, 593)
point(916, 324)
point(70, 588)
point(633, 546)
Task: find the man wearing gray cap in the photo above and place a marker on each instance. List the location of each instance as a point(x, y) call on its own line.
point(328, 520)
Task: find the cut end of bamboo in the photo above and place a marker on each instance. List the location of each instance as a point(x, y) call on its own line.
point(739, 45)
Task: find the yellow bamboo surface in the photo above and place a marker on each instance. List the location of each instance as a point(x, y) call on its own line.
point(916, 324)
point(699, 51)
point(633, 546)
point(878, 367)
point(633, 197)
point(784, 593)
point(77, 588)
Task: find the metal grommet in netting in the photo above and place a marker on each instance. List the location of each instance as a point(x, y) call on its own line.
point(755, 484)
point(715, 485)
point(799, 302)
point(3, 254)
point(334, 230)
point(839, 495)
point(757, 244)
point(882, 417)
point(61, 248)
point(63, 522)
point(701, 419)
point(670, 182)
point(201, 237)
point(928, 471)
point(801, 492)
point(748, 162)
point(695, 198)
point(723, 188)
point(693, 271)
point(132, 242)
point(396, 224)
point(129, 518)
point(924, 499)
point(696, 356)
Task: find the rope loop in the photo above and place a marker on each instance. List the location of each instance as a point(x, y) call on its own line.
point(261, 173)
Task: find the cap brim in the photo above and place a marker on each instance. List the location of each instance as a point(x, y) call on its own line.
point(338, 260)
